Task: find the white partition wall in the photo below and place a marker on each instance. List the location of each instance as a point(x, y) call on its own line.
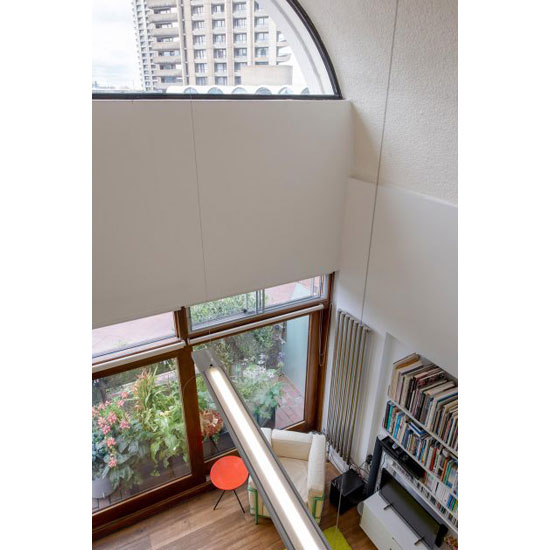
point(272, 187)
point(147, 253)
point(195, 201)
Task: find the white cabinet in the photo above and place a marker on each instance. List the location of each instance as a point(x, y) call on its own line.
point(386, 529)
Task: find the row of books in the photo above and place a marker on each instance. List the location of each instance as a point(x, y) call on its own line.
point(430, 396)
point(443, 494)
point(419, 443)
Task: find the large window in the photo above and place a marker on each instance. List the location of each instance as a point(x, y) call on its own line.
point(268, 368)
point(139, 439)
point(156, 431)
point(127, 41)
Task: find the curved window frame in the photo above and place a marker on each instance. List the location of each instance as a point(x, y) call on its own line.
point(309, 45)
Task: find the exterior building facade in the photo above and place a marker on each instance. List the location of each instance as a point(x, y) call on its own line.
point(208, 43)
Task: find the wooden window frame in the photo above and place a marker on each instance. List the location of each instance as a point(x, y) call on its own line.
point(152, 501)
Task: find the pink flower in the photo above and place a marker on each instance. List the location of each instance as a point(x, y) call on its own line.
point(101, 406)
point(105, 429)
point(94, 412)
point(112, 461)
point(111, 418)
point(101, 422)
point(121, 403)
point(124, 395)
point(110, 442)
point(124, 424)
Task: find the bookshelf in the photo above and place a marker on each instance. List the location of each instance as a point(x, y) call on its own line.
point(438, 439)
point(421, 418)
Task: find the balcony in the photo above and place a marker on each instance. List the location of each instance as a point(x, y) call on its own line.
point(164, 59)
point(165, 46)
point(167, 72)
point(163, 17)
point(165, 31)
point(158, 4)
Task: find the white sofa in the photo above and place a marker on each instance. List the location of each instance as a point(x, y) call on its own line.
point(303, 458)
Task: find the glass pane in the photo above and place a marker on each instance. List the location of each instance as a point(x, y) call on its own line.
point(133, 334)
point(268, 367)
point(139, 439)
point(292, 292)
point(138, 47)
point(234, 307)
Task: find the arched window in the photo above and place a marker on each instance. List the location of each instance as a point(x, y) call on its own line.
point(263, 91)
point(239, 90)
point(215, 91)
point(273, 44)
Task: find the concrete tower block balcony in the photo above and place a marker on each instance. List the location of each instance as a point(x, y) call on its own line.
point(165, 31)
point(164, 59)
point(154, 4)
point(163, 17)
point(165, 46)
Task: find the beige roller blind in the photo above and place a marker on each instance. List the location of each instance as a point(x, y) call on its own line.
point(194, 201)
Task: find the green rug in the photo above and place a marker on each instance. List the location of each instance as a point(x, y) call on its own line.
point(336, 539)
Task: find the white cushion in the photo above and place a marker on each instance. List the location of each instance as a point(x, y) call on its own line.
point(297, 471)
point(291, 444)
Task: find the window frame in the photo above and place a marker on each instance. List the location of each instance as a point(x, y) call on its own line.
point(149, 502)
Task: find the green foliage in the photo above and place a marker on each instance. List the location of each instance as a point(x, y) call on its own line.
point(135, 427)
point(226, 307)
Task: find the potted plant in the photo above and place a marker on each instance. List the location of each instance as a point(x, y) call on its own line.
point(158, 409)
point(261, 389)
point(116, 447)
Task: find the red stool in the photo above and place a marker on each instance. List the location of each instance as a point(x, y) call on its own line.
point(228, 474)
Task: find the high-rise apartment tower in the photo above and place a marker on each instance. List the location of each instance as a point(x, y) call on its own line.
point(208, 43)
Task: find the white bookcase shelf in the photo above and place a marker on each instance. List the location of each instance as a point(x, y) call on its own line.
point(452, 451)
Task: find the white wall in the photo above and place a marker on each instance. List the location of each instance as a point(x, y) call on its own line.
point(418, 81)
point(196, 201)
point(396, 62)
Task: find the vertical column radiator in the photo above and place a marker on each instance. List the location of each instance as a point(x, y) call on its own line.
point(348, 364)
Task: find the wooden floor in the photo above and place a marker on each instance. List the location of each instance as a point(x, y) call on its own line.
point(193, 525)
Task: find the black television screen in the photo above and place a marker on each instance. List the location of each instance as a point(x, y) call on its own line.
point(419, 517)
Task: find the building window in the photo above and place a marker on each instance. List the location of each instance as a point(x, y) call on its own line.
point(218, 8)
point(218, 23)
point(221, 80)
point(261, 63)
point(238, 65)
point(280, 37)
point(202, 81)
point(201, 39)
point(257, 6)
point(198, 25)
point(261, 21)
point(197, 10)
point(220, 53)
point(219, 39)
point(261, 36)
point(200, 54)
point(240, 37)
point(200, 67)
point(220, 67)
point(240, 52)
point(239, 6)
point(261, 52)
point(238, 80)
point(239, 23)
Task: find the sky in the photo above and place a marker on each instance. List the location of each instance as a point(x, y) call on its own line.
point(114, 57)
